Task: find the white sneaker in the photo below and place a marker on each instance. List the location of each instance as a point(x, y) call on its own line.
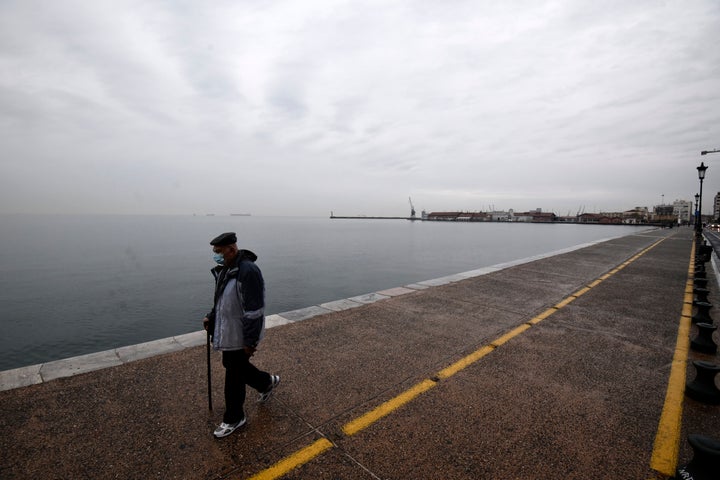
point(225, 429)
point(265, 396)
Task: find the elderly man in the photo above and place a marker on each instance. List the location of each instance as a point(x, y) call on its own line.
point(237, 324)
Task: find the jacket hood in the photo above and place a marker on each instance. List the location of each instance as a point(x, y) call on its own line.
point(246, 255)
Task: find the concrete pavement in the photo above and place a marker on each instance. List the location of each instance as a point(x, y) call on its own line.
point(556, 368)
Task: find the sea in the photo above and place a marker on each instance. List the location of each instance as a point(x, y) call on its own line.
point(72, 285)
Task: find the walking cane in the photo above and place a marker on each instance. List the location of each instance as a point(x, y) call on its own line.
point(208, 368)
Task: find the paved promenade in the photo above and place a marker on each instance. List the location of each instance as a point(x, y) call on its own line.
point(555, 368)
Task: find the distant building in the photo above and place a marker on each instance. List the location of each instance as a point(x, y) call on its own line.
point(536, 215)
point(521, 217)
point(443, 216)
point(593, 218)
point(459, 216)
point(636, 215)
point(716, 206)
point(683, 211)
point(664, 214)
point(663, 210)
point(501, 216)
point(613, 218)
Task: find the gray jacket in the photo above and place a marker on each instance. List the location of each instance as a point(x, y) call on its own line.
point(238, 314)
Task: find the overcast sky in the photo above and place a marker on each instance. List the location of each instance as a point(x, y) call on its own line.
point(303, 107)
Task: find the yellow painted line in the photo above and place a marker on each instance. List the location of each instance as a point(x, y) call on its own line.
point(360, 423)
point(564, 303)
point(295, 460)
point(510, 335)
point(547, 313)
point(595, 283)
point(581, 292)
point(542, 316)
point(465, 362)
point(667, 439)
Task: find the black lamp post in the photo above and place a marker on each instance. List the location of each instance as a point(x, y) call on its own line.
point(701, 175)
point(697, 212)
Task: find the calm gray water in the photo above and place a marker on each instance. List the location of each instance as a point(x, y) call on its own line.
point(71, 285)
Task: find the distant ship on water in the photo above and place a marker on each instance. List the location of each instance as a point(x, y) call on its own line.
point(232, 214)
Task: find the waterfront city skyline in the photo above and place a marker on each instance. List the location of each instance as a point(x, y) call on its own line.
point(299, 109)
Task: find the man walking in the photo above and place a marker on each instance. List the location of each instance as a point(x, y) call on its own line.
point(237, 324)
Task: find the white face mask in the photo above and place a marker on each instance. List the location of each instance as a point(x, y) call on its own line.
point(219, 259)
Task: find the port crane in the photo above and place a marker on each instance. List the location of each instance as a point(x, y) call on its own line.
point(412, 208)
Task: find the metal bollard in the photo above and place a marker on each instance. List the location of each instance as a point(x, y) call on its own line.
point(703, 388)
point(701, 294)
point(703, 342)
point(703, 313)
point(705, 463)
point(705, 251)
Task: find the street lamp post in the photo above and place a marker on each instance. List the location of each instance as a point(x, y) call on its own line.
point(701, 175)
point(704, 152)
point(697, 212)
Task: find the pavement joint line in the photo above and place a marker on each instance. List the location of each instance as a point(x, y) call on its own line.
point(360, 464)
point(360, 423)
point(666, 447)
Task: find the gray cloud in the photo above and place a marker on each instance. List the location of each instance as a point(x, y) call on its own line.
point(300, 108)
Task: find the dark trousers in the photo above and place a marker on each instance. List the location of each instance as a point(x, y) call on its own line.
point(238, 373)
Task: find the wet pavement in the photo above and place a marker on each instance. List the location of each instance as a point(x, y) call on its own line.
point(557, 368)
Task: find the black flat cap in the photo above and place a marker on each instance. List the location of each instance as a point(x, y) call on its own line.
point(224, 239)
